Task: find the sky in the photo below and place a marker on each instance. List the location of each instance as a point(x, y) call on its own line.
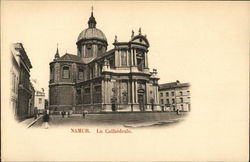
point(181, 35)
point(204, 43)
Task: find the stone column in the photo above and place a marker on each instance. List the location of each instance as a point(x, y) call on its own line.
point(146, 59)
point(127, 58)
point(91, 93)
point(103, 91)
point(133, 92)
point(108, 92)
point(132, 95)
point(116, 58)
point(157, 95)
point(135, 63)
point(84, 51)
point(136, 95)
point(119, 57)
point(131, 57)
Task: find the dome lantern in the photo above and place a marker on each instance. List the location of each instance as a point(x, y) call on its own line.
point(92, 22)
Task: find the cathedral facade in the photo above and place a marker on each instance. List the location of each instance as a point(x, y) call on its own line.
point(99, 80)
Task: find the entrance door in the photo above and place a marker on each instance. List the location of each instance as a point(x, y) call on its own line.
point(141, 101)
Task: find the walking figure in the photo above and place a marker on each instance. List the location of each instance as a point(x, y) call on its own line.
point(63, 113)
point(152, 106)
point(84, 113)
point(178, 112)
point(46, 121)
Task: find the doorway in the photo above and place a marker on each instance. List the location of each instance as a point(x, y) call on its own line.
point(141, 101)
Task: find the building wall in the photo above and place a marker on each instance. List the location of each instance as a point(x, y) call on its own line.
point(21, 90)
point(181, 97)
point(15, 72)
point(40, 100)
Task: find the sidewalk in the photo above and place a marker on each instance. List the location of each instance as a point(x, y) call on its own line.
point(30, 121)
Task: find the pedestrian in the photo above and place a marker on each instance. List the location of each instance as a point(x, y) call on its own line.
point(152, 106)
point(178, 112)
point(63, 113)
point(46, 121)
point(113, 107)
point(83, 114)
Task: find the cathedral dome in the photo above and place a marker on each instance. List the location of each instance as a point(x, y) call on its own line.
point(92, 33)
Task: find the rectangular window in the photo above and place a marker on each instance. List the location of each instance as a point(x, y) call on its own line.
point(86, 96)
point(87, 90)
point(161, 94)
point(167, 101)
point(78, 96)
point(40, 100)
point(162, 102)
point(167, 94)
point(65, 72)
point(88, 50)
point(80, 74)
point(172, 93)
point(173, 101)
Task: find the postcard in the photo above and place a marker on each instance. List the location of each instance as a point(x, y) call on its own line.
point(125, 81)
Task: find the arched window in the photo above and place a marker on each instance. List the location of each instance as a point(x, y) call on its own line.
point(180, 93)
point(88, 50)
point(173, 101)
point(65, 72)
point(99, 49)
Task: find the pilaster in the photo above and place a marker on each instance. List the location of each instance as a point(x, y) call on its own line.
point(131, 57)
point(135, 61)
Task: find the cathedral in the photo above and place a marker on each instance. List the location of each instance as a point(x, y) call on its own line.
point(101, 80)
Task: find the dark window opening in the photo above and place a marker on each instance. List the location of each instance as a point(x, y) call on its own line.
point(80, 74)
point(65, 72)
point(111, 63)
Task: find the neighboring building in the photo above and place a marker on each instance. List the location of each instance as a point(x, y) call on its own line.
point(101, 80)
point(32, 109)
point(175, 96)
point(39, 97)
point(21, 91)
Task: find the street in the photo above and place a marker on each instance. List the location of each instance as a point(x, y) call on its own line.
point(142, 119)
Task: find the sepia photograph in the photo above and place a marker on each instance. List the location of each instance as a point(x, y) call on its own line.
point(124, 81)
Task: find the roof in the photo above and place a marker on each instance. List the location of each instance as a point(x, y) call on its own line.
point(172, 85)
point(105, 54)
point(92, 33)
point(70, 57)
point(19, 47)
